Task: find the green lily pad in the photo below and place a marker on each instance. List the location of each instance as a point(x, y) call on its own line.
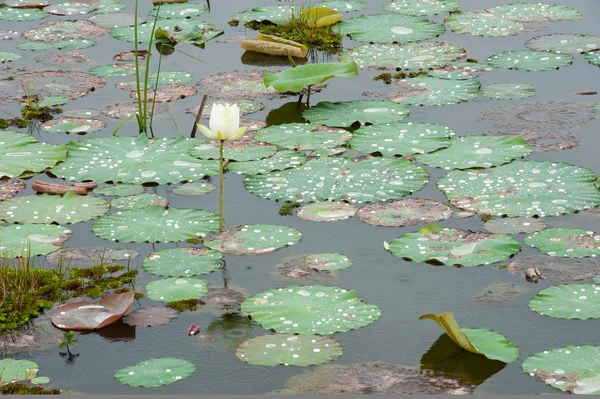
point(84, 113)
point(183, 262)
point(523, 188)
point(568, 301)
point(31, 239)
point(281, 160)
point(116, 20)
point(401, 138)
point(109, 6)
point(253, 239)
point(454, 247)
point(52, 101)
point(406, 212)
point(71, 8)
point(155, 372)
point(142, 160)
point(425, 90)
point(457, 70)
point(421, 7)
point(194, 188)
point(179, 10)
point(176, 289)
point(477, 152)
point(535, 12)
point(289, 350)
point(40, 380)
point(278, 14)
point(328, 211)
point(47, 208)
point(243, 149)
point(565, 43)
point(508, 91)
point(164, 78)
point(156, 224)
point(8, 57)
point(347, 113)
point(390, 28)
point(313, 309)
point(120, 190)
point(327, 261)
point(22, 14)
point(483, 23)
point(572, 243)
point(341, 5)
point(327, 152)
point(33, 46)
point(303, 136)
point(186, 26)
point(21, 153)
point(296, 79)
point(572, 369)
point(514, 225)
point(12, 370)
point(357, 180)
point(527, 60)
point(73, 125)
point(409, 56)
point(115, 70)
point(74, 44)
point(593, 57)
point(136, 201)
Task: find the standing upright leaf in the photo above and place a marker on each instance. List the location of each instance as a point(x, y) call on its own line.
point(295, 79)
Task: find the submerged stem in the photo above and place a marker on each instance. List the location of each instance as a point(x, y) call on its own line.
point(308, 96)
point(221, 142)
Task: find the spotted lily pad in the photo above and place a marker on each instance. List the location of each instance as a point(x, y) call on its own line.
point(425, 90)
point(572, 243)
point(73, 125)
point(281, 160)
point(314, 309)
point(243, 149)
point(508, 91)
point(176, 289)
point(155, 372)
point(194, 188)
point(185, 27)
point(277, 14)
point(289, 350)
point(565, 43)
point(136, 201)
point(21, 153)
point(150, 316)
point(593, 57)
point(183, 262)
point(390, 28)
point(527, 60)
point(346, 113)
point(483, 23)
point(421, 7)
point(120, 190)
point(568, 301)
point(557, 269)
point(116, 20)
point(327, 261)
point(63, 59)
point(536, 12)
point(253, 239)
point(31, 239)
point(357, 180)
point(457, 70)
point(514, 225)
point(142, 160)
point(401, 138)
point(10, 187)
point(328, 211)
point(115, 70)
point(71, 8)
point(523, 188)
point(74, 44)
point(156, 224)
point(60, 30)
point(303, 136)
point(92, 315)
point(407, 212)
point(109, 6)
point(164, 78)
point(22, 14)
point(454, 247)
point(179, 10)
point(12, 370)
point(33, 46)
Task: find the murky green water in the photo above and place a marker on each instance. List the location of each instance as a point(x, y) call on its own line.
point(401, 289)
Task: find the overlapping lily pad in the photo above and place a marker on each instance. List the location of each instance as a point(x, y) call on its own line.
point(401, 138)
point(514, 225)
point(156, 224)
point(31, 239)
point(565, 43)
point(523, 188)
point(565, 242)
point(390, 28)
point(120, 190)
point(63, 59)
point(314, 309)
point(277, 14)
point(155, 372)
point(115, 70)
point(116, 20)
point(183, 262)
point(60, 30)
point(508, 91)
point(460, 70)
point(347, 113)
point(406, 212)
point(21, 153)
point(281, 160)
point(92, 315)
point(179, 10)
point(303, 136)
point(421, 7)
point(454, 247)
point(483, 23)
point(136, 201)
point(328, 211)
point(109, 6)
point(74, 44)
point(134, 160)
point(357, 180)
point(22, 14)
point(593, 57)
point(425, 90)
point(72, 8)
point(184, 27)
point(176, 289)
point(12, 370)
point(243, 149)
point(527, 60)
point(536, 12)
point(73, 125)
point(150, 316)
point(297, 79)
point(568, 301)
point(253, 239)
point(289, 350)
point(194, 188)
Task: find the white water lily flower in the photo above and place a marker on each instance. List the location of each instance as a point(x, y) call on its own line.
point(224, 123)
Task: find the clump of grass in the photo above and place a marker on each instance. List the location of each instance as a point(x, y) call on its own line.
point(472, 60)
point(400, 75)
point(288, 209)
point(486, 217)
point(194, 240)
point(186, 304)
point(386, 77)
point(23, 389)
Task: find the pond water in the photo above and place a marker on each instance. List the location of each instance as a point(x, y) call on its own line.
point(403, 290)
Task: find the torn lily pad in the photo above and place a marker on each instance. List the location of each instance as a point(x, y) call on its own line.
point(566, 242)
point(183, 262)
point(565, 43)
point(31, 239)
point(425, 90)
point(390, 28)
point(22, 153)
point(120, 190)
point(406, 212)
point(92, 315)
point(12, 370)
point(454, 247)
point(527, 60)
point(61, 30)
point(483, 23)
point(401, 138)
point(421, 7)
point(523, 188)
point(347, 113)
point(156, 224)
point(253, 239)
point(313, 309)
point(176, 289)
point(243, 149)
point(136, 201)
point(194, 188)
point(281, 160)
point(328, 211)
point(155, 372)
point(303, 136)
point(150, 316)
point(289, 350)
point(514, 225)
point(508, 91)
point(357, 180)
point(568, 301)
point(557, 269)
point(476, 151)
point(73, 125)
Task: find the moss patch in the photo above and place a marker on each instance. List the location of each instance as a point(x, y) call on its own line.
point(318, 38)
point(288, 209)
point(186, 304)
point(22, 389)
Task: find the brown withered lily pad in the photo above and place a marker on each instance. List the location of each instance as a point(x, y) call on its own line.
point(557, 269)
point(125, 110)
point(222, 298)
point(166, 93)
point(150, 316)
point(8, 34)
point(10, 72)
point(303, 269)
point(252, 124)
point(63, 59)
point(544, 141)
point(498, 292)
point(56, 31)
point(71, 85)
point(90, 256)
point(92, 315)
point(129, 56)
point(407, 212)
point(9, 188)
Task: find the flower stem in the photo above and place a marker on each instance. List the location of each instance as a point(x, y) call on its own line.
point(221, 185)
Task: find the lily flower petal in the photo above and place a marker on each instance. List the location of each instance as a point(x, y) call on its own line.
point(206, 131)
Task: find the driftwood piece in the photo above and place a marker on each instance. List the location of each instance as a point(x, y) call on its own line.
point(587, 93)
point(53, 188)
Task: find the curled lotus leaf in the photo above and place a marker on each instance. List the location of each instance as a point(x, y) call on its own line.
point(22, 153)
point(557, 269)
point(281, 160)
point(347, 113)
point(568, 301)
point(421, 7)
point(527, 60)
point(328, 211)
point(12, 370)
point(253, 239)
point(274, 45)
point(183, 262)
point(566, 242)
point(176, 289)
point(155, 372)
point(514, 225)
point(150, 316)
point(406, 212)
point(565, 43)
point(92, 315)
point(426, 90)
point(61, 30)
point(31, 239)
point(303, 136)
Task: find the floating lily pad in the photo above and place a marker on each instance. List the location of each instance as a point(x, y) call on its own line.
point(303, 136)
point(498, 292)
point(52, 101)
point(347, 113)
point(90, 256)
point(10, 187)
point(457, 70)
point(73, 125)
point(160, 160)
point(60, 30)
point(194, 188)
point(120, 190)
point(401, 138)
point(69, 84)
point(164, 78)
point(454, 247)
point(47, 208)
point(313, 309)
point(63, 59)
point(568, 301)
point(8, 34)
point(243, 149)
point(27, 3)
point(277, 14)
point(357, 180)
point(328, 211)
point(33, 46)
point(593, 57)
point(109, 6)
point(31, 239)
point(21, 153)
point(126, 110)
point(115, 70)
point(421, 7)
point(179, 10)
point(92, 315)
point(185, 27)
point(572, 369)
point(508, 91)
point(514, 225)
point(84, 113)
point(327, 152)
point(167, 93)
point(425, 90)
point(527, 60)
point(572, 243)
point(289, 350)
point(22, 14)
point(407, 212)
point(557, 269)
point(136, 201)
point(483, 23)
point(74, 44)
point(221, 299)
point(40, 380)
point(326, 261)
point(536, 12)
point(409, 56)
point(155, 372)
point(523, 188)
point(296, 79)
point(150, 316)
point(176, 289)
point(253, 239)
point(565, 43)
point(116, 20)
point(341, 5)
point(245, 107)
point(79, 7)
point(281, 160)
point(12, 370)
point(8, 57)
point(183, 262)
point(390, 28)
point(156, 224)
point(477, 152)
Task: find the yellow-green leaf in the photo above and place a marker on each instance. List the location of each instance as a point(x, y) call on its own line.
point(321, 16)
point(275, 45)
point(450, 326)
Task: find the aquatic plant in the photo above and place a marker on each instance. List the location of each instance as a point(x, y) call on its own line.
point(68, 341)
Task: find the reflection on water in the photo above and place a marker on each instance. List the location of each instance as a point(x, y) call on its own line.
point(115, 332)
point(231, 328)
point(288, 113)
